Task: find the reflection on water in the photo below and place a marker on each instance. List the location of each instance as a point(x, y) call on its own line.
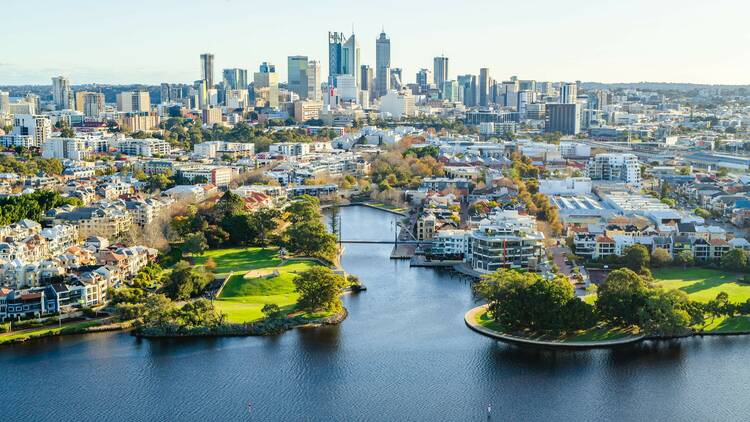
point(404, 353)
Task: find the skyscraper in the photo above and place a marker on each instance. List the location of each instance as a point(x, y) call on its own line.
point(90, 103)
point(467, 86)
point(235, 78)
point(484, 87)
point(297, 74)
point(396, 78)
point(134, 102)
point(440, 71)
point(367, 79)
point(313, 80)
point(424, 80)
point(568, 93)
point(62, 95)
point(382, 65)
point(343, 57)
point(266, 86)
point(4, 102)
point(207, 69)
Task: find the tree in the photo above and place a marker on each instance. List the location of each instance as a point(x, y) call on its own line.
point(199, 313)
point(186, 281)
point(621, 297)
point(684, 258)
point(660, 257)
point(664, 313)
point(272, 311)
point(636, 257)
point(319, 289)
point(700, 212)
point(734, 260)
point(522, 300)
point(195, 243)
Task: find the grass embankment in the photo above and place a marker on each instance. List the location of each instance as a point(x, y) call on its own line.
point(259, 278)
point(599, 333)
point(50, 330)
point(703, 284)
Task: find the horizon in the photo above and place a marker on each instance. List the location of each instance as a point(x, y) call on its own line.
point(638, 46)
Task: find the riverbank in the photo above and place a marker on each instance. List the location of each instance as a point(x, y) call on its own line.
point(404, 212)
point(264, 327)
point(76, 327)
point(589, 339)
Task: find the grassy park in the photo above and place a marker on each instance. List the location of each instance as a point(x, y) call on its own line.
point(598, 333)
point(703, 284)
point(258, 278)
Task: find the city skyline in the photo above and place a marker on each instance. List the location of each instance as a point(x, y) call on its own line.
point(603, 42)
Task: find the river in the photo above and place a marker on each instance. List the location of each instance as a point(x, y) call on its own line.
point(404, 353)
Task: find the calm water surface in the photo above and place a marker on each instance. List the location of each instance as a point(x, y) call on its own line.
point(404, 353)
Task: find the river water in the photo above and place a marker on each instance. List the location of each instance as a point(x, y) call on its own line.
point(404, 353)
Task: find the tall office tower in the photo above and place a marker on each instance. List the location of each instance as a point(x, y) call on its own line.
point(563, 118)
point(601, 99)
point(510, 91)
point(343, 57)
point(62, 95)
point(90, 103)
point(201, 89)
point(207, 69)
point(546, 88)
point(134, 102)
point(297, 75)
point(235, 78)
point(313, 80)
point(484, 87)
point(367, 80)
point(382, 65)
point(4, 102)
point(164, 96)
point(467, 85)
point(440, 71)
point(266, 86)
point(396, 78)
point(450, 91)
point(424, 80)
point(568, 93)
point(527, 85)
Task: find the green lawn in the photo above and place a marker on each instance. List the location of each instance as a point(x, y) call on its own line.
point(47, 330)
point(243, 298)
point(740, 323)
point(240, 259)
point(703, 284)
point(598, 333)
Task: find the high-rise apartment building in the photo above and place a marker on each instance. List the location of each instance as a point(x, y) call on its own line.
point(382, 65)
point(38, 127)
point(133, 102)
point(62, 95)
point(440, 70)
point(207, 69)
point(297, 75)
point(568, 93)
point(450, 91)
point(266, 86)
point(4, 102)
point(313, 80)
point(235, 78)
point(91, 104)
point(510, 93)
point(615, 167)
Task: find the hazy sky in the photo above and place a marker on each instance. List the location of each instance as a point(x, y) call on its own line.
point(153, 41)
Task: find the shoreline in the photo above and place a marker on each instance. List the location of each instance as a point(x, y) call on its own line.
point(54, 331)
point(254, 329)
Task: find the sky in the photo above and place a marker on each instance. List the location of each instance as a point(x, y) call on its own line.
point(154, 41)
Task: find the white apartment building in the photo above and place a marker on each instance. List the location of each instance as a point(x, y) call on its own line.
point(505, 239)
point(569, 186)
point(290, 148)
point(615, 167)
point(144, 147)
point(66, 148)
point(397, 104)
point(214, 149)
point(37, 126)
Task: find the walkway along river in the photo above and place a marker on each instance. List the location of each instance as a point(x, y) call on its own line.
point(404, 353)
